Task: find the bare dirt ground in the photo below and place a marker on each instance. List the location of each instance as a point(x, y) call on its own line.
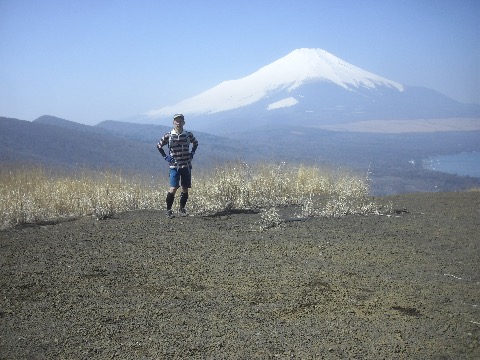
point(140, 286)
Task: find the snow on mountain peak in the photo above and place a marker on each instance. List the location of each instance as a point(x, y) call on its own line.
point(318, 64)
point(293, 70)
point(290, 101)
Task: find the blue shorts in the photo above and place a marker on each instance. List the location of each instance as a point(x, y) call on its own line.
point(183, 174)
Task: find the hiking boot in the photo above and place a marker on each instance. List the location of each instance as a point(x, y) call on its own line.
point(182, 212)
point(170, 214)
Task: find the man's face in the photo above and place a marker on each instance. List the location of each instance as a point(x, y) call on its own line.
point(178, 123)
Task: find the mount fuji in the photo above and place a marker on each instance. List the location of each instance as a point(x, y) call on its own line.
point(310, 88)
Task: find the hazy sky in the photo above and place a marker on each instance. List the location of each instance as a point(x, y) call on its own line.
point(93, 60)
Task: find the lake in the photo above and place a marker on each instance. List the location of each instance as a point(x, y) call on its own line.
point(460, 164)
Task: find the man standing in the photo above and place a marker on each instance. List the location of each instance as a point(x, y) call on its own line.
point(180, 160)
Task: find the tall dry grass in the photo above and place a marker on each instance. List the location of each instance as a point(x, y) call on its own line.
point(318, 191)
point(36, 194)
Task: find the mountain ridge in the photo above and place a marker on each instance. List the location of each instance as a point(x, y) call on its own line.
point(113, 145)
point(395, 160)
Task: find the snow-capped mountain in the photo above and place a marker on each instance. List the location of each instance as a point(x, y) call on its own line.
point(300, 67)
point(310, 87)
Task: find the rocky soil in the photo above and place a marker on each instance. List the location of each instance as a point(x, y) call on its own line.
point(140, 286)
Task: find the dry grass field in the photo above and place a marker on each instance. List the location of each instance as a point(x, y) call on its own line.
point(32, 195)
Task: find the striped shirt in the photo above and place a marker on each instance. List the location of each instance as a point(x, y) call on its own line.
point(179, 147)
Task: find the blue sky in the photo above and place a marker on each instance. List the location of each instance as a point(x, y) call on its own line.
point(93, 60)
